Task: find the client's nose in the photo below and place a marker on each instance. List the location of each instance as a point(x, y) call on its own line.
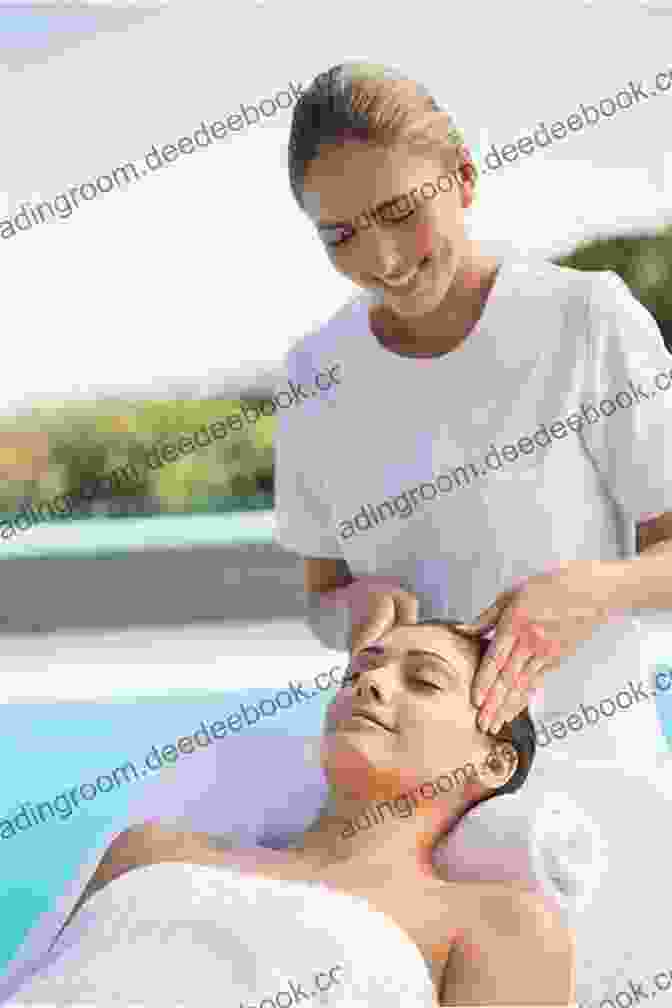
point(371, 687)
point(376, 683)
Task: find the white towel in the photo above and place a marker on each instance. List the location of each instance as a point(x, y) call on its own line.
point(193, 935)
point(172, 934)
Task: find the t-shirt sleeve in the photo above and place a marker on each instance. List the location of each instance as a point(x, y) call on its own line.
point(629, 385)
point(303, 519)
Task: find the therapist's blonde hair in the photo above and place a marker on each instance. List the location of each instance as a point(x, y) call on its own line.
point(374, 103)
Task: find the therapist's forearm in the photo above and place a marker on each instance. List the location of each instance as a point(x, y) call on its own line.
point(645, 581)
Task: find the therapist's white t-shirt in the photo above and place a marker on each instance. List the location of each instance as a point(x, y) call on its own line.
point(429, 471)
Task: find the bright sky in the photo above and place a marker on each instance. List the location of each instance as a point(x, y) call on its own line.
point(206, 268)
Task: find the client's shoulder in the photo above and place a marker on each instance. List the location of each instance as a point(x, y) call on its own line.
point(510, 946)
point(500, 903)
point(492, 900)
point(145, 844)
point(137, 847)
point(501, 910)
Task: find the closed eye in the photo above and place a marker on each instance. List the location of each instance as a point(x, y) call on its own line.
point(346, 234)
point(349, 232)
point(351, 677)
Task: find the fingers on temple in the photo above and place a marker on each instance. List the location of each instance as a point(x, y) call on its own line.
point(515, 702)
point(374, 619)
point(407, 607)
point(535, 669)
point(484, 680)
point(529, 677)
point(515, 674)
point(492, 704)
point(494, 660)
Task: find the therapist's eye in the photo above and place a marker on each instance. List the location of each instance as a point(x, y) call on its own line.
point(403, 217)
point(341, 235)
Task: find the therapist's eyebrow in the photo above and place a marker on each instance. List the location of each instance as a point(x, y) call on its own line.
point(333, 225)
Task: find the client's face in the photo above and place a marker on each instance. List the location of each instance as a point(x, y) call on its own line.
point(405, 710)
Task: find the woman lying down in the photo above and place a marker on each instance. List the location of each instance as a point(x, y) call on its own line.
point(354, 912)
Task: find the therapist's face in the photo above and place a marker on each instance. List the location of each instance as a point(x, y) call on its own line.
point(415, 686)
point(403, 212)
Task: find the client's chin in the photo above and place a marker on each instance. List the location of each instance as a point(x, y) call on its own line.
point(356, 765)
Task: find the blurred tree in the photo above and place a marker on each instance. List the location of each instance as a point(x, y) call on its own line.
point(644, 263)
point(24, 455)
point(90, 441)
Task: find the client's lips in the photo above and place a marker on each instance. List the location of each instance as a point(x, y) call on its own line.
point(370, 717)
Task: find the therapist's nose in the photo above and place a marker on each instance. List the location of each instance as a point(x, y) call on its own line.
point(382, 254)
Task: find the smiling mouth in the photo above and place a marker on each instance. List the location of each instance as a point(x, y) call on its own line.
point(409, 278)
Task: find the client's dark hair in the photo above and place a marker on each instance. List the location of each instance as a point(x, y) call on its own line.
point(519, 732)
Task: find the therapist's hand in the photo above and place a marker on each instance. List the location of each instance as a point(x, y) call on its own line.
point(376, 605)
point(537, 625)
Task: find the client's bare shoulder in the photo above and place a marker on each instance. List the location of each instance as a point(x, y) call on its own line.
point(512, 949)
point(139, 846)
point(151, 843)
point(144, 845)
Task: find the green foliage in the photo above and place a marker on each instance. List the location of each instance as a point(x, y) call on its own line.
point(91, 440)
point(643, 261)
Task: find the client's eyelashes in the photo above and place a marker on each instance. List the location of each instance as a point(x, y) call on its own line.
point(424, 682)
point(351, 677)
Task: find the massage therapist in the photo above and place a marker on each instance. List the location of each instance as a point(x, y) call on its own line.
point(447, 355)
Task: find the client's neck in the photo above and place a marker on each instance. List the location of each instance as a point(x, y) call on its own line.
point(383, 831)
